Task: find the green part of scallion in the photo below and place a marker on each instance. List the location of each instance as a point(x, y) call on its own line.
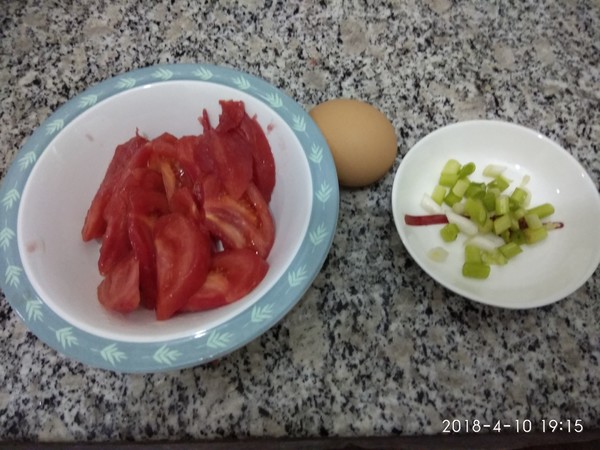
point(451, 166)
point(438, 194)
point(448, 179)
point(543, 210)
point(472, 254)
point(493, 257)
point(449, 232)
point(460, 187)
point(475, 209)
point(451, 198)
point(476, 270)
point(535, 235)
point(475, 190)
point(500, 182)
point(510, 249)
point(502, 204)
point(518, 237)
point(502, 224)
point(533, 221)
point(489, 201)
point(518, 197)
point(467, 170)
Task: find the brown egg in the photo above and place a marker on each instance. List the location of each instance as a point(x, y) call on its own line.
point(362, 140)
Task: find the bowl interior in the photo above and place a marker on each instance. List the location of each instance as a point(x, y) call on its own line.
point(544, 272)
point(63, 269)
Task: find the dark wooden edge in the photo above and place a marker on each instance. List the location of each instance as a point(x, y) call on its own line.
point(525, 441)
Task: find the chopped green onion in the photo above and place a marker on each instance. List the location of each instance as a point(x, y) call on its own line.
point(543, 210)
point(502, 204)
point(518, 197)
point(518, 237)
point(535, 235)
point(438, 254)
point(438, 194)
point(533, 221)
point(449, 232)
point(475, 190)
point(472, 254)
point(499, 182)
point(451, 166)
point(476, 270)
point(510, 249)
point(448, 179)
point(429, 205)
point(460, 187)
point(502, 223)
point(466, 170)
point(475, 209)
point(493, 257)
point(451, 198)
point(493, 170)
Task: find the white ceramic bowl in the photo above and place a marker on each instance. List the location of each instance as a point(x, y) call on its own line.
point(54, 274)
point(545, 272)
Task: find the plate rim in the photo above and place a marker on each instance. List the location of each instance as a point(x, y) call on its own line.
point(222, 339)
point(462, 292)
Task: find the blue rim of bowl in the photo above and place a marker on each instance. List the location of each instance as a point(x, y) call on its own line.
point(189, 351)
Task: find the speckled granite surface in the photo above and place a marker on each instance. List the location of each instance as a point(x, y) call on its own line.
point(375, 347)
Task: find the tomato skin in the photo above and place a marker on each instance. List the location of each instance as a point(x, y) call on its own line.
point(119, 290)
point(233, 274)
point(95, 224)
point(183, 255)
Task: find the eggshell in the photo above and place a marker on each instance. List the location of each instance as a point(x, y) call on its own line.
point(361, 139)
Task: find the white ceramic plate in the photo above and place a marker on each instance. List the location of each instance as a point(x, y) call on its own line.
point(545, 272)
point(50, 276)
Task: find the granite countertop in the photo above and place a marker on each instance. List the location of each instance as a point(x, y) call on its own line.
point(375, 347)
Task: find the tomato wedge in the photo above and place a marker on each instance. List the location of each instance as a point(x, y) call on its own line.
point(145, 207)
point(95, 224)
point(183, 255)
point(119, 290)
point(233, 274)
point(263, 168)
point(244, 223)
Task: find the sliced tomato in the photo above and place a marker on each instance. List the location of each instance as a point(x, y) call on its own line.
point(115, 244)
point(183, 255)
point(119, 290)
point(233, 274)
point(232, 114)
point(232, 161)
point(95, 224)
point(243, 223)
point(144, 208)
point(263, 168)
point(184, 202)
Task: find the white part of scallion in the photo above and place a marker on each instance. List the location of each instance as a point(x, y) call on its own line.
point(438, 254)
point(429, 205)
point(493, 170)
point(487, 242)
point(465, 225)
